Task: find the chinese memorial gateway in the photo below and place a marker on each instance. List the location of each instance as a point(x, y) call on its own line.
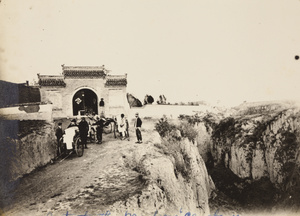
point(84, 90)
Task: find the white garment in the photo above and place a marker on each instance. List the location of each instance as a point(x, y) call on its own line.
point(123, 128)
point(69, 136)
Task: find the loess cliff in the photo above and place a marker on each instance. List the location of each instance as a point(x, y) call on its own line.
point(257, 152)
point(175, 177)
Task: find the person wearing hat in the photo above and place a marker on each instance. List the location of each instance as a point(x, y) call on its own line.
point(138, 125)
point(58, 134)
point(83, 131)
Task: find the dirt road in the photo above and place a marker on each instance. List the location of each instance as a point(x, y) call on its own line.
point(80, 184)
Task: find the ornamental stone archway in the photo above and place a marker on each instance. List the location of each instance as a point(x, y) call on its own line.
point(79, 90)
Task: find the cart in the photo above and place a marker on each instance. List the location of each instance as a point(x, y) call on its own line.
point(71, 142)
point(109, 126)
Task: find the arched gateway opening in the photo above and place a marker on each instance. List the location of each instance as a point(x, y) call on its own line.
point(85, 102)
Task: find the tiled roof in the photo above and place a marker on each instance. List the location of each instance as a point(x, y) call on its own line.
point(84, 71)
point(46, 80)
point(120, 80)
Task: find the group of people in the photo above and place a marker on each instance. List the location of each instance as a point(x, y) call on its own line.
point(83, 126)
point(123, 128)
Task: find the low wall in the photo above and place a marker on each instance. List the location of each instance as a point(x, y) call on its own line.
point(171, 111)
point(117, 111)
point(32, 111)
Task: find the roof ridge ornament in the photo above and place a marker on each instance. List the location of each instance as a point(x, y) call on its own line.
point(84, 72)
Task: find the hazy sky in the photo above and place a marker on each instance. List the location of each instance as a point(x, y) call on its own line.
point(188, 50)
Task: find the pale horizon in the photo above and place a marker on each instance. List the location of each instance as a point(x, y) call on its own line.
point(228, 51)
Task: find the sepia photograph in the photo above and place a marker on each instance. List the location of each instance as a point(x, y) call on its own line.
point(149, 108)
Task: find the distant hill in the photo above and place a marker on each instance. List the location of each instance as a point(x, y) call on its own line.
point(264, 106)
point(17, 93)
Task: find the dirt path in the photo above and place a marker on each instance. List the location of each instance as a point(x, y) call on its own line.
point(79, 184)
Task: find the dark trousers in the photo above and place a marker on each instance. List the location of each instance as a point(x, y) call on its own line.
point(57, 147)
point(127, 133)
point(83, 138)
point(138, 134)
point(99, 134)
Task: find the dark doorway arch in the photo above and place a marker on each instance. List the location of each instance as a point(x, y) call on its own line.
point(85, 101)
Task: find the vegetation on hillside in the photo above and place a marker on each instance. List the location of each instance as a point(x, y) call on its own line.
point(176, 131)
point(173, 144)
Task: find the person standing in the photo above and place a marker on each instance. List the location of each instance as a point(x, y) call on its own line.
point(102, 108)
point(83, 131)
point(100, 124)
point(138, 125)
point(58, 134)
point(122, 127)
point(127, 129)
